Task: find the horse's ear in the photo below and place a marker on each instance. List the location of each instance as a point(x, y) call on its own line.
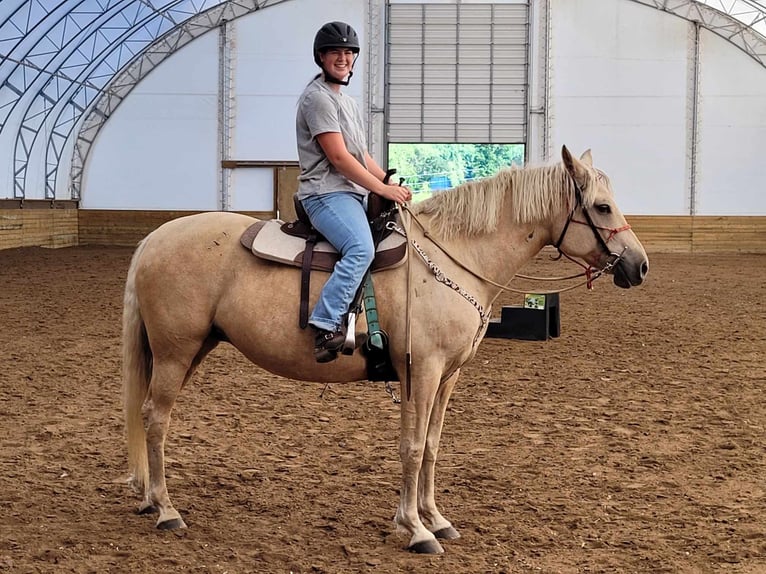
point(587, 158)
point(575, 168)
point(567, 158)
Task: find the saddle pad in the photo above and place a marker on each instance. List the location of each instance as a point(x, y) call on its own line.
point(266, 240)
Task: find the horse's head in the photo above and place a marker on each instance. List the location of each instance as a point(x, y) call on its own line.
point(595, 229)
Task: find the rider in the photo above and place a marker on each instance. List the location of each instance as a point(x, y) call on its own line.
point(336, 175)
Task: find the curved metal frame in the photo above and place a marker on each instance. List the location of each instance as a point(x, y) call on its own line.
point(74, 92)
point(128, 78)
point(741, 22)
point(110, 47)
point(68, 64)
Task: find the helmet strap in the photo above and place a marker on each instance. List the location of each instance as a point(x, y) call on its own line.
point(333, 80)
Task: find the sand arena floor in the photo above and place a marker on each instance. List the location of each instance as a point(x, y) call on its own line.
point(633, 443)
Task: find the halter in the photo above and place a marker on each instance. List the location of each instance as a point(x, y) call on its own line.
point(616, 257)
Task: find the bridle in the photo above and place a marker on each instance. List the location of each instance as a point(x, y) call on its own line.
point(614, 258)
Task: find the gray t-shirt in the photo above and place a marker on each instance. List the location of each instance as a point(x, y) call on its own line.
point(322, 110)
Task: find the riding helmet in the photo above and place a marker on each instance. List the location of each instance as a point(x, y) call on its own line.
point(335, 35)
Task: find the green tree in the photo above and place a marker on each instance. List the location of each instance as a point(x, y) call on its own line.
point(424, 165)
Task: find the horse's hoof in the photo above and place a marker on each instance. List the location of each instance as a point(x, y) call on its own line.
point(150, 509)
point(448, 533)
point(172, 524)
point(426, 547)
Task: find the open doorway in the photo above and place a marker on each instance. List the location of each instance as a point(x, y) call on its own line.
point(430, 168)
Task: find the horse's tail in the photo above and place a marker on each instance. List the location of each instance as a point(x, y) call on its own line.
point(136, 374)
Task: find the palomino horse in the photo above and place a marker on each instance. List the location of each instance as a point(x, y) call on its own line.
point(192, 285)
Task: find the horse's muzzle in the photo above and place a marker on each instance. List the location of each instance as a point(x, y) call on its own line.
point(629, 273)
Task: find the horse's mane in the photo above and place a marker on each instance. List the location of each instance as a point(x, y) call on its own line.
point(532, 194)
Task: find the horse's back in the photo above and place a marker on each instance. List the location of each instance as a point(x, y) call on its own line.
point(203, 241)
point(202, 227)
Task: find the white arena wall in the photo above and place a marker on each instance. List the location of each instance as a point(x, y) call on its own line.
point(618, 86)
point(621, 80)
point(159, 150)
point(616, 76)
point(732, 167)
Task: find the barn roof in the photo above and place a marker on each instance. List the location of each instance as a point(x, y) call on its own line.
point(65, 65)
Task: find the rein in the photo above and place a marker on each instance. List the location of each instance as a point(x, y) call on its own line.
point(588, 273)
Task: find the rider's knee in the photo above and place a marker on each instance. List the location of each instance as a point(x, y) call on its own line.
point(364, 251)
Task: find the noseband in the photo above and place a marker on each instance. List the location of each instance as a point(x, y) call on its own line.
point(614, 258)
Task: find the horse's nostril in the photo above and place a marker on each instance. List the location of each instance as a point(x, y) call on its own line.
point(644, 269)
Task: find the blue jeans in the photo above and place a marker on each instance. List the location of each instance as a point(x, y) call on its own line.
point(341, 218)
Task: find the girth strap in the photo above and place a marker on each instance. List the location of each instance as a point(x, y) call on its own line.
point(308, 254)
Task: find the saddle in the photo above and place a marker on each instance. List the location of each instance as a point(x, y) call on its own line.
point(298, 244)
point(286, 242)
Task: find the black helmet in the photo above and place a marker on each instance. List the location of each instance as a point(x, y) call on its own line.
point(335, 35)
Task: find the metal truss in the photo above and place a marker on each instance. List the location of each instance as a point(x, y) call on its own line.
point(74, 59)
point(66, 65)
point(741, 22)
point(374, 80)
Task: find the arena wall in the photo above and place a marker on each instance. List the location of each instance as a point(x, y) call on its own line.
point(69, 227)
point(43, 227)
point(620, 80)
point(675, 138)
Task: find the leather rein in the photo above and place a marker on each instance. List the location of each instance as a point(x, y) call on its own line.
point(590, 273)
point(484, 315)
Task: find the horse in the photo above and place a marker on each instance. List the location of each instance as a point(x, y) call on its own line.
point(191, 285)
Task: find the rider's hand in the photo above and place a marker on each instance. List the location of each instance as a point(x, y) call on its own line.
point(397, 193)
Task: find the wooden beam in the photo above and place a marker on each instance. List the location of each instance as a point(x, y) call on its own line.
point(39, 204)
point(235, 163)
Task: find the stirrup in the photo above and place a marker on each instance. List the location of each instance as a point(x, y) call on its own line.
point(350, 342)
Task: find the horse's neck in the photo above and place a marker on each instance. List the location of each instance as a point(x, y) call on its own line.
point(499, 255)
point(502, 253)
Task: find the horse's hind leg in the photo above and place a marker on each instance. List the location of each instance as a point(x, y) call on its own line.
point(168, 376)
point(440, 526)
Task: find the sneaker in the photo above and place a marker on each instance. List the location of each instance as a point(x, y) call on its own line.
point(327, 344)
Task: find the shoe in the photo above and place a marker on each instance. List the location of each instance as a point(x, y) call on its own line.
point(327, 344)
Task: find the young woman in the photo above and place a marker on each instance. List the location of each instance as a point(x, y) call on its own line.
point(337, 173)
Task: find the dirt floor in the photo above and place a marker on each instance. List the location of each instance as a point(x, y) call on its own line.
point(632, 443)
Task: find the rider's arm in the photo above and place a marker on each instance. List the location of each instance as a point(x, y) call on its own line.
point(335, 149)
point(374, 168)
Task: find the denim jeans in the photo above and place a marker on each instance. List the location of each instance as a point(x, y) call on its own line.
point(341, 218)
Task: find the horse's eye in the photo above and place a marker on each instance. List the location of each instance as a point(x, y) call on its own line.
point(603, 208)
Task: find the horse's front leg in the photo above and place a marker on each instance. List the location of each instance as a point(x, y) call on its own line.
point(416, 411)
point(440, 526)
